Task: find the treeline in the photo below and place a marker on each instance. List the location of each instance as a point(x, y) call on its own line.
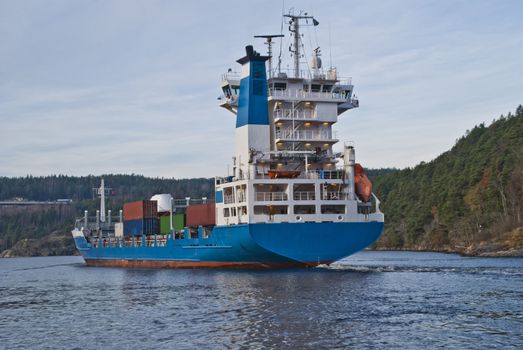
point(124, 187)
point(21, 222)
point(467, 196)
point(373, 174)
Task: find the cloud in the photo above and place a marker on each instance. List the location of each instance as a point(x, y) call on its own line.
point(116, 87)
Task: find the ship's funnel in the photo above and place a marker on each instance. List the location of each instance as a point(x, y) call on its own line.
point(252, 119)
point(252, 102)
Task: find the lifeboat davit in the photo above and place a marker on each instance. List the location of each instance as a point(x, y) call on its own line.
point(362, 184)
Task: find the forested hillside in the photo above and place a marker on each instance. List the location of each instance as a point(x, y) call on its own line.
point(468, 199)
point(34, 222)
point(125, 187)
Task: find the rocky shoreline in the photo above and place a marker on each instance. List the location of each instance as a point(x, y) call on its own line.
point(508, 245)
point(54, 244)
point(509, 253)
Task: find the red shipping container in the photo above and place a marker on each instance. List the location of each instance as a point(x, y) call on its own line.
point(140, 210)
point(201, 215)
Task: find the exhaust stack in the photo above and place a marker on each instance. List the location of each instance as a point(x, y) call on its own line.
point(349, 159)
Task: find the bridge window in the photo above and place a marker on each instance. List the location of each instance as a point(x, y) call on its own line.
point(261, 210)
point(270, 209)
point(315, 87)
point(280, 86)
point(333, 209)
point(327, 88)
point(227, 91)
point(304, 209)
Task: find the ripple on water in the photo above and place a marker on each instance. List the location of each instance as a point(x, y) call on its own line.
point(371, 300)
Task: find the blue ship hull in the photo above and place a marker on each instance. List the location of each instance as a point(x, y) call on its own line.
point(244, 246)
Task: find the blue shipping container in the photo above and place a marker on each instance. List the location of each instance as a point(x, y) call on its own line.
point(148, 226)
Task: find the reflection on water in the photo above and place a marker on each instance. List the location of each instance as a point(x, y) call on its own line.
point(371, 300)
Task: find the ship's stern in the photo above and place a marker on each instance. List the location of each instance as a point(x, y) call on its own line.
point(316, 243)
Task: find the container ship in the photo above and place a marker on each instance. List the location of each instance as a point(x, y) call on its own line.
point(290, 199)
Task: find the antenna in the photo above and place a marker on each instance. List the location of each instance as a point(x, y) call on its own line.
point(281, 32)
point(330, 46)
point(294, 27)
point(268, 42)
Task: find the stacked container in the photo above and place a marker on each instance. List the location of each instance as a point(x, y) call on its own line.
point(178, 223)
point(140, 209)
point(165, 224)
point(201, 215)
point(141, 217)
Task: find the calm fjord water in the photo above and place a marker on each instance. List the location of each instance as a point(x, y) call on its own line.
point(370, 300)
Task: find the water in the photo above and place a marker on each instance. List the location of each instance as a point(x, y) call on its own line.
point(371, 300)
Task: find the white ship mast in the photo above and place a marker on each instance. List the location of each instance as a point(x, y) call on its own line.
point(294, 28)
point(102, 192)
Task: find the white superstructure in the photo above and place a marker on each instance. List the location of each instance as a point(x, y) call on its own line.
point(284, 169)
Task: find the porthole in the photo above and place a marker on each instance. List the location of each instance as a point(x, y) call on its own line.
point(340, 217)
point(298, 218)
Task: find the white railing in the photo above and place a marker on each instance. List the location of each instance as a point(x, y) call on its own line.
point(290, 73)
point(290, 134)
point(294, 114)
point(307, 74)
point(231, 76)
point(241, 197)
point(228, 199)
point(325, 174)
point(303, 74)
point(232, 100)
point(271, 196)
point(304, 196)
point(300, 95)
point(333, 196)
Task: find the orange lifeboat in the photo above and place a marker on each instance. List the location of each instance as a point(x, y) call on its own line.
point(362, 184)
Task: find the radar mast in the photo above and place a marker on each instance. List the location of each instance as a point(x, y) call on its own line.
point(269, 43)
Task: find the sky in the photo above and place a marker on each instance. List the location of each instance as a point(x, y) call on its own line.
point(98, 86)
